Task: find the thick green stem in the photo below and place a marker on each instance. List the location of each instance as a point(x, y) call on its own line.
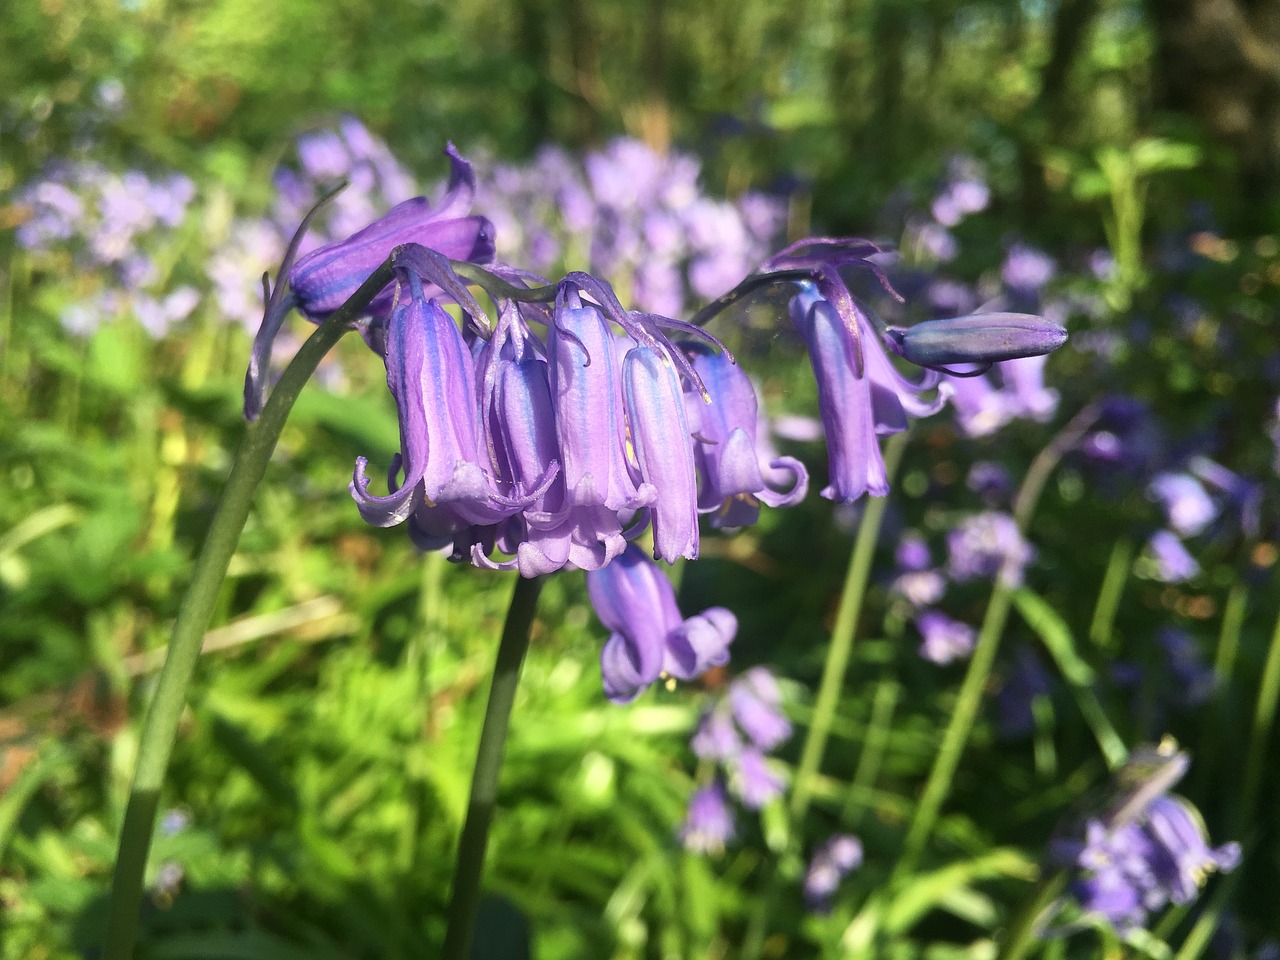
point(484, 779)
point(160, 728)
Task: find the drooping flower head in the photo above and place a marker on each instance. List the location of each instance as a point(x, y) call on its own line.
point(727, 453)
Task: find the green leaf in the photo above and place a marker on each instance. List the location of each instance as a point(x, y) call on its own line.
point(1055, 634)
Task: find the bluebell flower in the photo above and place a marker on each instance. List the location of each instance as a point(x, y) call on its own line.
point(448, 478)
point(708, 826)
point(727, 452)
point(322, 280)
point(756, 701)
point(832, 861)
point(1170, 561)
point(844, 403)
point(753, 779)
point(649, 636)
point(1162, 857)
point(716, 737)
point(943, 640)
point(985, 545)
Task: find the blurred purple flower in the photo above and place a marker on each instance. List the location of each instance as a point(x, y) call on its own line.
point(1187, 506)
point(716, 737)
point(943, 640)
point(1171, 561)
point(708, 825)
point(986, 545)
point(832, 861)
point(754, 699)
point(1137, 867)
point(753, 780)
point(1026, 269)
point(912, 553)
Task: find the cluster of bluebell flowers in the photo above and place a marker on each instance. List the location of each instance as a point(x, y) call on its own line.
point(567, 426)
point(1148, 851)
point(734, 739)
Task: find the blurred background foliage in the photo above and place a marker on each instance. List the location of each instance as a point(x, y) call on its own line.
point(854, 97)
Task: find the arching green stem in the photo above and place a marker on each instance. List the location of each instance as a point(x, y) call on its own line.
point(160, 729)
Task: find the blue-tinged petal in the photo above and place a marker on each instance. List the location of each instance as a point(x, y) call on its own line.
point(664, 450)
point(586, 392)
point(844, 403)
point(701, 642)
point(633, 599)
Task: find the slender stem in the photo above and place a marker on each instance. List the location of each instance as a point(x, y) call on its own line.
point(833, 678)
point(484, 779)
point(1025, 927)
point(841, 648)
point(160, 728)
point(965, 712)
point(1264, 716)
point(1224, 661)
point(1113, 582)
point(938, 786)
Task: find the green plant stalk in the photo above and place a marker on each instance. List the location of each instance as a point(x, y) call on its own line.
point(969, 699)
point(834, 672)
point(160, 729)
point(1025, 927)
point(838, 653)
point(1264, 716)
point(1102, 626)
point(484, 779)
point(1224, 662)
point(963, 715)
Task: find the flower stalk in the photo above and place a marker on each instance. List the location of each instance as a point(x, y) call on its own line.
point(160, 729)
point(484, 779)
